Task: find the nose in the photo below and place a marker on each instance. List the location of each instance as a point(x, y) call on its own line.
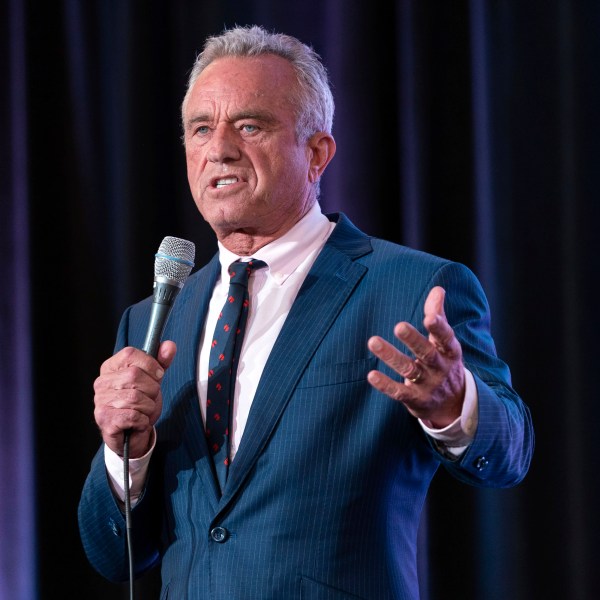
point(224, 145)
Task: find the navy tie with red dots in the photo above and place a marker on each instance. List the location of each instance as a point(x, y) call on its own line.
point(222, 365)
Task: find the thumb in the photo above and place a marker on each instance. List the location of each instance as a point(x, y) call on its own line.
point(166, 353)
point(434, 304)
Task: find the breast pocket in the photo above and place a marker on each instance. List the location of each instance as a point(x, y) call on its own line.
point(313, 590)
point(320, 375)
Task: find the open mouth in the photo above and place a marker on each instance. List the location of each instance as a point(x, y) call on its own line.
point(225, 181)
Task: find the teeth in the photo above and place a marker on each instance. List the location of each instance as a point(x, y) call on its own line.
point(227, 181)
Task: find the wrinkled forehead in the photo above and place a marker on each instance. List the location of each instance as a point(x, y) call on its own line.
point(230, 88)
point(266, 82)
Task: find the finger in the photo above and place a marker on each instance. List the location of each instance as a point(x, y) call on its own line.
point(113, 408)
point(166, 353)
point(133, 357)
point(396, 391)
point(418, 344)
point(126, 399)
point(441, 335)
point(113, 423)
point(434, 303)
point(435, 321)
point(393, 358)
point(385, 384)
point(130, 378)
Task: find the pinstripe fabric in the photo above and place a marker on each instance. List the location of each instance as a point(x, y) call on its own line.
point(324, 496)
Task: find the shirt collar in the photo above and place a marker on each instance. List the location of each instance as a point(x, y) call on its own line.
point(285, 254)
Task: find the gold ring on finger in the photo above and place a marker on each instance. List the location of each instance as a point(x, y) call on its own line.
point(417, 377)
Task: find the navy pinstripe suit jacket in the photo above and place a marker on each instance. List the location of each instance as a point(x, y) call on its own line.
point(325, 494)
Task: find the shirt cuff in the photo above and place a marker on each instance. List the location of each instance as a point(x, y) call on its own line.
point(138, 469)
point(456, 437)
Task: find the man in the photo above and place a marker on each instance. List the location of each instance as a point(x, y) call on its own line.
point(334, 433)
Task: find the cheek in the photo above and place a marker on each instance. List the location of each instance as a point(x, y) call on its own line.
point(193, 158)
point(194, 176)
point(294, 171)
point(285, 164)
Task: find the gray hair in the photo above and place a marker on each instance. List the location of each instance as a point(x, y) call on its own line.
point(312, 98)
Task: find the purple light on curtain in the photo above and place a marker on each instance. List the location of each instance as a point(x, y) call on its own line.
point(483, 185)
point(580, 562)
point(491, 582)
point(412, 209)
point(17, 515)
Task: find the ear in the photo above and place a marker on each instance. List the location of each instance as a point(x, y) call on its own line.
point(321, 147)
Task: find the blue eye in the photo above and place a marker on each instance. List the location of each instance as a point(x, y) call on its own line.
point(202, 130)
point(249, 128)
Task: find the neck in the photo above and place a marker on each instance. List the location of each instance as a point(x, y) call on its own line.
point(245, 241)
point(246, 244)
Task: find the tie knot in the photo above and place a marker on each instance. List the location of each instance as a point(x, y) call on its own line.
point(239, 271)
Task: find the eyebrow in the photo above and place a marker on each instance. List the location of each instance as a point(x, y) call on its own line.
point(264, 116)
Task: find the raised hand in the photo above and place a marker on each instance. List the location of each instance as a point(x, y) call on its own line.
point(433, 386)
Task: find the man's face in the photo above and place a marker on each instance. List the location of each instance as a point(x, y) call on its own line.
point(246, 170)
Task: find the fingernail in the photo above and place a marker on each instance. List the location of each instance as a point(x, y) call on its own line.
point(159, 373)
point(376, 345)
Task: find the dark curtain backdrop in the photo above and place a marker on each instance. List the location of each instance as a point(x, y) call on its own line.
point(467, 129)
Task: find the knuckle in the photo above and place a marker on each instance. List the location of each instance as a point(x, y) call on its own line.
point(128, 352)
point(132, 396)
point(393, 390)
point(130, 376)
point(396, 363)
point(98, 383)
point(428, 355)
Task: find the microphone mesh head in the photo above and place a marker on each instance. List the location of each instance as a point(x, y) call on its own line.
point(174, 259)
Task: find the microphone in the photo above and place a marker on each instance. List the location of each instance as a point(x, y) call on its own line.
point(172, 264)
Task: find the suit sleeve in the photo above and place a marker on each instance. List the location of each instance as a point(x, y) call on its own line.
point(500, 453)
point(102, 524)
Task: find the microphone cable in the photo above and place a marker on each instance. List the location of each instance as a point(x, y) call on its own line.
point(128, 510)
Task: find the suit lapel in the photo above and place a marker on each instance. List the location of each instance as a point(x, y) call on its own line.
point(189, 314)
point(326, 289)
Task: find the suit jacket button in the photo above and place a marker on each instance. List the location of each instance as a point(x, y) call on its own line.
point(219, 534)
point(481, 463)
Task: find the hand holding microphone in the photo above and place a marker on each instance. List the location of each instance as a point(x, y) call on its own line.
point(127, 392)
